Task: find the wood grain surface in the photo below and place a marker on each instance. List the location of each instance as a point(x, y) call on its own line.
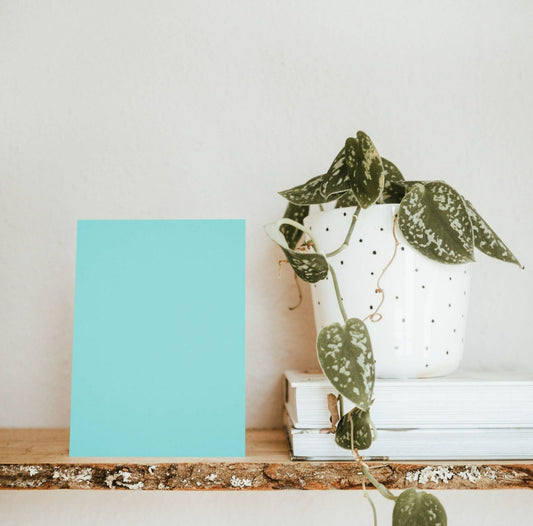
point(38, 459)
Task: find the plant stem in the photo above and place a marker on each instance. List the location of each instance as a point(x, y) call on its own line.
point(374, 513)
point(380, 487)
point(299, 292)
point(376, 316)
point(295, 224)
point(346, 241)
point(338, 293)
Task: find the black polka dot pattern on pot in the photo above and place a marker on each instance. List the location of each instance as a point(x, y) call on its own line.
point(424, 310)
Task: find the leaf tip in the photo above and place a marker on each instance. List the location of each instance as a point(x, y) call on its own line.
point(516, 262)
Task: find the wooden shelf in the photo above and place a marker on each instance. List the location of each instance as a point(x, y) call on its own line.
point(38, 459)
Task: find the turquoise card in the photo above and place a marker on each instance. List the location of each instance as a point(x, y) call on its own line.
point(158, 351)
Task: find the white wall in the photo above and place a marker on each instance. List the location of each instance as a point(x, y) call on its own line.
point(305, 508)
point(174, 109)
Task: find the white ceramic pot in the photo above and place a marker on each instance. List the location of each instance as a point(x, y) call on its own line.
point(423, 323)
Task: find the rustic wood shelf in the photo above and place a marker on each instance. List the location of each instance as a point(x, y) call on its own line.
point(38, 459)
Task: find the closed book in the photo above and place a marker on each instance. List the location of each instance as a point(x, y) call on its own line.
point(418, 444)
point(462, 400)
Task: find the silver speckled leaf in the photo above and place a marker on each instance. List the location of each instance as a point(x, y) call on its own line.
point(345, 355)
point(308, 193)
point(346, 199)
point(297, 213)
point(418, 508)
point(487, 240)
point(364, 168)
point(362, 430)
point(434, 220)
point(309, 266)
point(402, 187)
point(337, 179)
point(392, 193)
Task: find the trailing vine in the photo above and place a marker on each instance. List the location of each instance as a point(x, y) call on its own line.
point(435, 220)
point(376, 316)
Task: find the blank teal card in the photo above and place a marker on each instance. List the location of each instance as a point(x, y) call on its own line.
point(158, 351)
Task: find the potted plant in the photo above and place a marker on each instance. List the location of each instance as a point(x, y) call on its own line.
point(394, 253)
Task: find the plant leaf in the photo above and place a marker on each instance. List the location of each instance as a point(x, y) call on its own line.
point(487, 240)
point(337, 179)
point(418, 508)
point(402, 187)
point(309, 266)
point(308, 193)
point(362, 430)
point(364, 168)
point(392, 193)
point(346, 199)
point(297, 213)
point(345, 355)
point(434, 220)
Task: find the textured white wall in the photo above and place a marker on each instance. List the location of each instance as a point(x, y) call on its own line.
point(302, 508)
point(174, 109)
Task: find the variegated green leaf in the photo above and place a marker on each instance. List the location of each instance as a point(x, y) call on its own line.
point(337, 179)
point(487, 240)
point(309, 266)
point(402, 187)
point(392, 193)
point(418, 508)
point(308, 193)
point(365, 169)
point(297, 213)
point(346, 199)
point(434, 220)
point(345, 355)
point(362, 430)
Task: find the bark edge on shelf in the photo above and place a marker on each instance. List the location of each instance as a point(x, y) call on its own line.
point(38, 459)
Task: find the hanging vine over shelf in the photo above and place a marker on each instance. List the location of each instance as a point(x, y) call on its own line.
point(436, 221)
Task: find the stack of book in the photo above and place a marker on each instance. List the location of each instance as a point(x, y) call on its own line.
point(465, 416)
